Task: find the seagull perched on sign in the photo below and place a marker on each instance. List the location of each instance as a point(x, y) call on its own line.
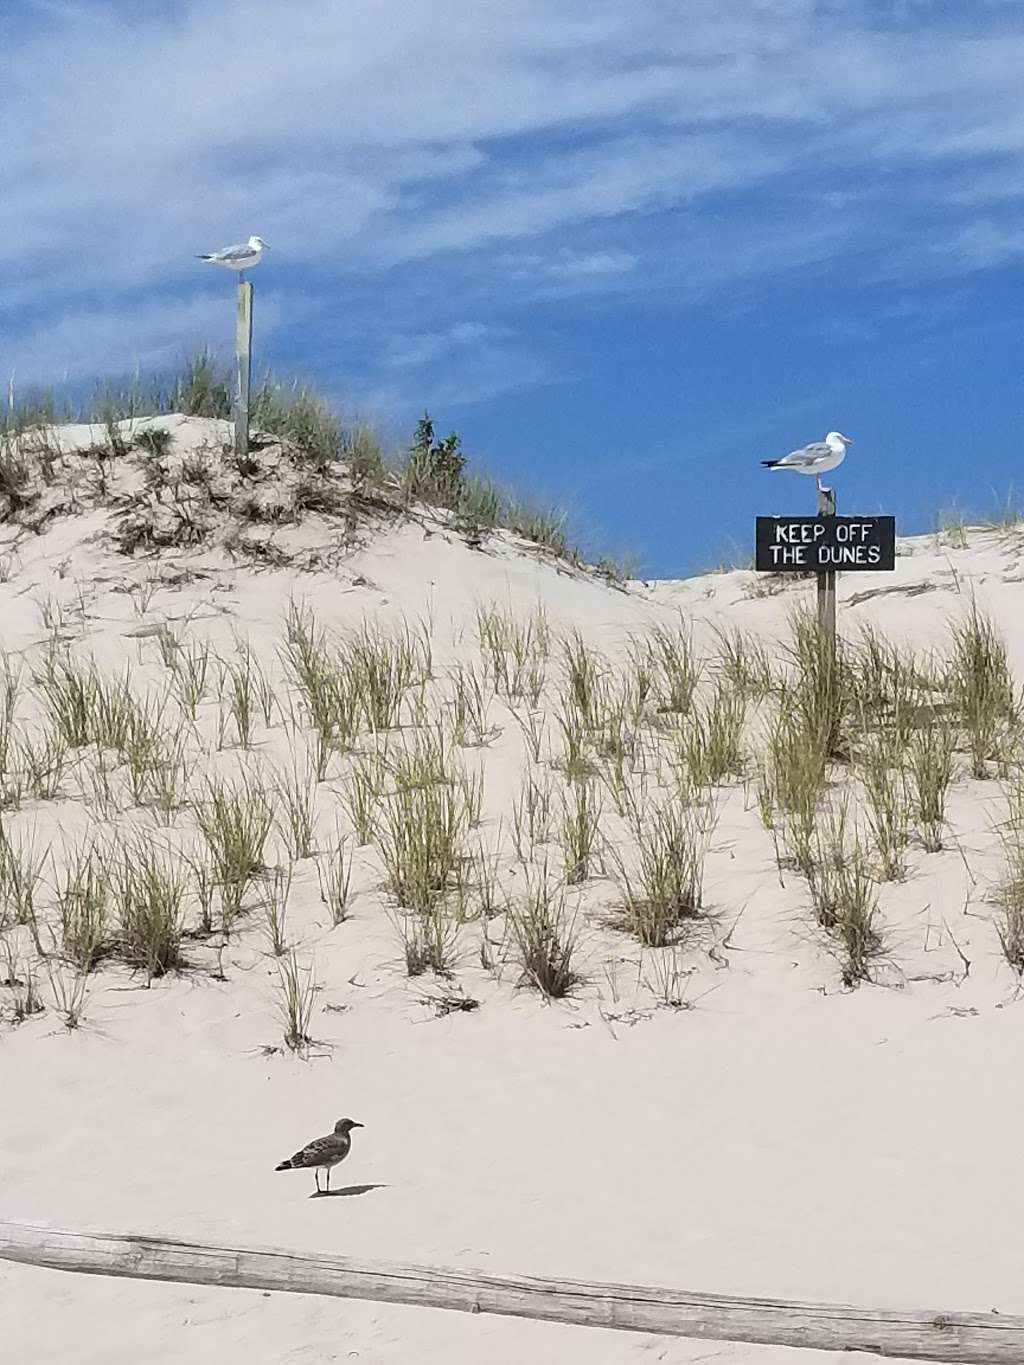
point(239, 257)
point(817, 458)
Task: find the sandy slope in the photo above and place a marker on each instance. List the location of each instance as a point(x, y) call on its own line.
point(783, 1137)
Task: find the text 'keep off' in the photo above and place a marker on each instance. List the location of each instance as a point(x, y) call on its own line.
point(824, 544)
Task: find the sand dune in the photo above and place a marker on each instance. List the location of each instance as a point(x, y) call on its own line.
point(776, 1132)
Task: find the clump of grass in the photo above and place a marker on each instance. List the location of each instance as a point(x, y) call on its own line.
point(296, 792)
point(746, 664)
point(149, 890)
point(42, 763)
point(278, 883)
point(820, 690)
point(189, 667)
point(328, 694)
point(69, 995)
point(576, 753)
point(421, 837)
point(793, 780)
point(712, 743)
point(1009, 890)
point(70, 695)
point(856, 919)
point(667, 657)
point(235, 820)
point(20, 978)
point(21, 870)
point(931, 768)
point(531, 816)
point(664, 891)
point(469, 707)
point(429, 941)
point(542, 526)
point(584, 670)
point(515, 651)
point(334, 871)
point(202, 389)
point(845, 896)
point(480, 890)
point(248, 692)
point(301, 417)
point(544, 936)
point(580, 830)
point(83, 902)
point(296, 996)
point(362, 451)
point(382, 668)
point(983, 692)
point(888, 802)
point(363, 795)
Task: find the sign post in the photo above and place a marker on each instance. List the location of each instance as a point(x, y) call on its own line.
point(827, 577)
point(243, 363)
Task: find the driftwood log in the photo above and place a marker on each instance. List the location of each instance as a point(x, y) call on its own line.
point(963, 1338)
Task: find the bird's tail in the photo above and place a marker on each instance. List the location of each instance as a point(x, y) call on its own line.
point(771, 464)
point(284, 1166)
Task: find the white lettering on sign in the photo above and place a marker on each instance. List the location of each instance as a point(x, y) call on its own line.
point(788, 554)
point(794, 533)
point(834, 556)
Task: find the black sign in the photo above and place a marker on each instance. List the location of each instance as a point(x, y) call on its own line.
point(823, 544)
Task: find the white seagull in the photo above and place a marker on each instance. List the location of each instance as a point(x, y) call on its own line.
point(239, 257)
point(817, 458)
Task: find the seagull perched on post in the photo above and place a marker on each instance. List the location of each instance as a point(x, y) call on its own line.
point(239, 257)
point(323, 1153)
point(817, 458)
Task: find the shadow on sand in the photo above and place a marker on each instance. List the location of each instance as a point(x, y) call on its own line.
point(345, 1191)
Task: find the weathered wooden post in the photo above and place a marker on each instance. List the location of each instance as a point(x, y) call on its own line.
point(827, 578)
point(243, 363)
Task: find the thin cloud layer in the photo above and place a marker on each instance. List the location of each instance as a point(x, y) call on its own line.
point(610, 146)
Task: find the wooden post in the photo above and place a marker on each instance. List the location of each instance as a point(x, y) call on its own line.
point(956, 1338)
point(243, 360)
point(827, 581)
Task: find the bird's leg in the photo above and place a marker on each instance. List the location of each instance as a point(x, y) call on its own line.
point(316, 1177)
point(328, 1179)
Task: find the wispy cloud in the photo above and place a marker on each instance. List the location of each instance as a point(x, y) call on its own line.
point(598, 145)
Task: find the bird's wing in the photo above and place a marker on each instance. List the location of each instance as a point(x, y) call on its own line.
point(239, 252)
point(318, 1151)
point(806, 455)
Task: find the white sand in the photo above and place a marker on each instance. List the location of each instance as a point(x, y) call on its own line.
point(782, 1138)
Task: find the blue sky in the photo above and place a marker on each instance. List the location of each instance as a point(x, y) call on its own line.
point(627, 248)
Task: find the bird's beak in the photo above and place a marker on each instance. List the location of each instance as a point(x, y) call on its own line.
point(848, 440)
point(359, 1125)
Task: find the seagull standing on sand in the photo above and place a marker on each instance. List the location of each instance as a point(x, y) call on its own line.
point(323, 1153)
point(817, 458)
point(239, 257)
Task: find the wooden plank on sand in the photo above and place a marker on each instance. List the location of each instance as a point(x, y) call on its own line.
point(964, 1338)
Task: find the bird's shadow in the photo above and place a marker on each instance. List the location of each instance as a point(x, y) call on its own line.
point(345, 1191)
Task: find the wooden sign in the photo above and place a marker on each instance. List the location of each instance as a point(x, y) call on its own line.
point(825, 544)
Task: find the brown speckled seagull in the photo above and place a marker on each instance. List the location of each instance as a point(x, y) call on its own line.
point(323, 1153)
